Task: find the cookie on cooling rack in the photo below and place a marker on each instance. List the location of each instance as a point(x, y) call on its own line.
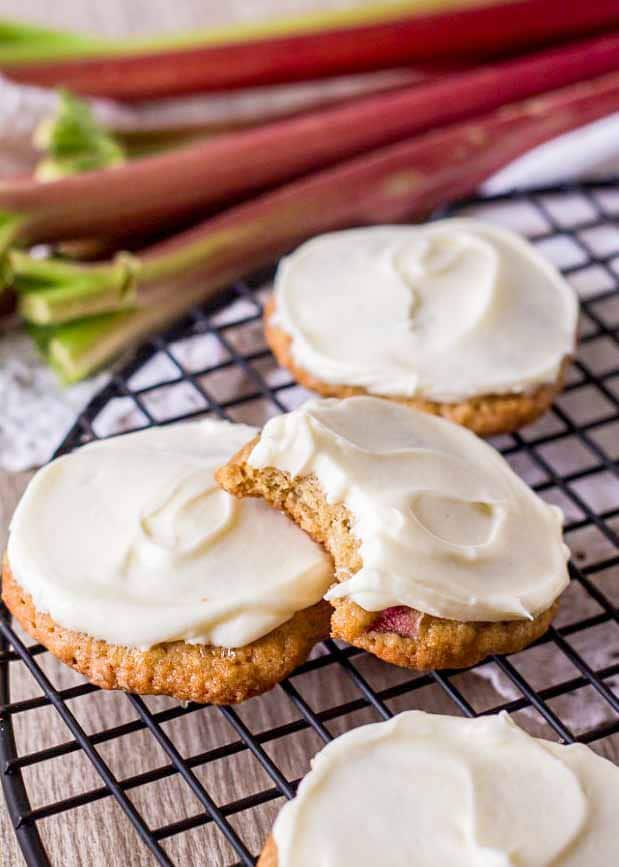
point(445, 790)
point(131, 565)
point(458, 318)
point(443, 554)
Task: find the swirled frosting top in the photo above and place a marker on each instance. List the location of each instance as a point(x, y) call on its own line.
point(131, 541)
point(444, 524)
point(435, 790)
point(446, 311)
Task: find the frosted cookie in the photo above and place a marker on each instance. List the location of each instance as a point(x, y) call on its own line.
point(458, 318)
point(130, 564)
point(433, 791)
point(443, 554)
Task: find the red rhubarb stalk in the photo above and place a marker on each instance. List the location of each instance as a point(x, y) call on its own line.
point(155, 190)
point(403, 181)
point(462, 34)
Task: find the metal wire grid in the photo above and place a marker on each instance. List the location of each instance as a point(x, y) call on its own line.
point(263, 390)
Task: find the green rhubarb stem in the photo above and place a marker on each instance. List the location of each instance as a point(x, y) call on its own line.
point(26, 42)
point(77, 349)
point(51, 291)
point(74, 142)
point(10, 227)
point(74, 350)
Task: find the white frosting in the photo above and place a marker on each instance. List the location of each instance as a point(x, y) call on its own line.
point(432, 791)
point(444, 524)
point(446, 311)
point(131, 541)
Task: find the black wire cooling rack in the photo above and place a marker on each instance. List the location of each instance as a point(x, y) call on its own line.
point(566, 685)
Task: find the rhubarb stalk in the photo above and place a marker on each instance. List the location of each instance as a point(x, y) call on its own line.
point(403, 181)
point(21, 42)
point(153, 191)
point(149, 124)
point(403, 36)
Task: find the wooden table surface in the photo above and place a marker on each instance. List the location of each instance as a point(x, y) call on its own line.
point(99, 834)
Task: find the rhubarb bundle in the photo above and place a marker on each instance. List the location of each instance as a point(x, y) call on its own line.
point(145, 292)
point(155, 191)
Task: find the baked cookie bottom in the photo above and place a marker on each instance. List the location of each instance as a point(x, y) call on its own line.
point(487, 415)
point(188, 672)
point(400, 636)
